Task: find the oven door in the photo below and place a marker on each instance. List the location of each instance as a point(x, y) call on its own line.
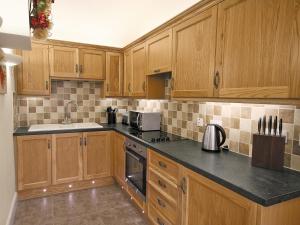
point(136, 171)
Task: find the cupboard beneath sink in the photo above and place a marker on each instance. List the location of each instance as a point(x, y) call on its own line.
point(54, 163)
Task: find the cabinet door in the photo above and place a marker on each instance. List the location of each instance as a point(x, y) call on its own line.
point(254, 48)
point(96, 155)
point(139, 71)
point(159, 53)
point(194, 55)
point(114, 74)
point(127, 73)
point(119, 158)
point(207, 203)
point(34, 161)
point(64, 62)
point(66, 158)
point(92, 64)
point(33, 78)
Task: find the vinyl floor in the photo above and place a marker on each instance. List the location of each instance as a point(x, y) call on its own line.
point(100, 206)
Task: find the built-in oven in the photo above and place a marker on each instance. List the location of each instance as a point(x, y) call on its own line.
point(136, 167)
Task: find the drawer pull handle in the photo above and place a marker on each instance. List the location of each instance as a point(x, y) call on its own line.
point(162, 164)
point(161, 184)
point(161, 203)
point(157, 71)
point(159, 221)
point(183, 185)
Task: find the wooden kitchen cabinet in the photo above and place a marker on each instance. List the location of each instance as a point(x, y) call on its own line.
point(96, 155)
point(139, 71)
point(255, 55)
point(159, 53)
point(194, 55)
point(127, 73)
point(91, 64)
point(66, 157)
point(64, 62)
point(114, 74)
point(33, 76)
point(205, 202)
point(119, 158)
point(33, 161)
point(77, 63)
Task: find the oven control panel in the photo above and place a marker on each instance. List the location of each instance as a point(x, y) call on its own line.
point(136, 147)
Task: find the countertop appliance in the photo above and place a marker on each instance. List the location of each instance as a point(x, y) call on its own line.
point(156, 136)
point(125, 118)
point(136, 167)
point(145, 121)
point(212, 138)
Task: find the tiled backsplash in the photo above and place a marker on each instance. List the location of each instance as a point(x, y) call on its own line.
point(90, 107)
point(178, 117)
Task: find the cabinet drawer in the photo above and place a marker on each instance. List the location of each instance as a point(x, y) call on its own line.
point(163, 185)
point(165, 166)
point(168, 209)
point(155, 217)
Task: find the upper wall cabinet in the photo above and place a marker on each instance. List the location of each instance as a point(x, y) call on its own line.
point(64, 62)
point(33, 77)
point(159, 53)
point(74, 63)
point(127, 73)
point(114, 74)
point(92, 64)
point(194, 55)
point(258, 49)
point(139, 71)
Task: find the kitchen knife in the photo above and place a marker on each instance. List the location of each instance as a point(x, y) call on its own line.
point(275, 125)
point(270, 125)
point(280, 127)
point(264, 124)
point(259, 125)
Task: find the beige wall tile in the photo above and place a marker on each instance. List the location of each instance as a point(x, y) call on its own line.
point(295, 162)
point(287, 115)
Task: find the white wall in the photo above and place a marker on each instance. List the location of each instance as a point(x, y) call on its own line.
point(7, 168)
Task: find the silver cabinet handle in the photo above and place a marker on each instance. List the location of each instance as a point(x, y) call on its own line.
point(159, 221)
point(76, 68)
point(47, 85)
point(217, 80)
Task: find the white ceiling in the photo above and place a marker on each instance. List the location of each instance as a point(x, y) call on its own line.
point(111, 22)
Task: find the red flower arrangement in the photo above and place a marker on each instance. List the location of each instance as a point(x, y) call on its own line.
point(40, 11)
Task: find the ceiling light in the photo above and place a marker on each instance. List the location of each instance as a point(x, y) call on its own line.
point(9, 59)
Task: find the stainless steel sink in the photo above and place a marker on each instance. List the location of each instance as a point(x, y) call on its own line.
point(72, 126)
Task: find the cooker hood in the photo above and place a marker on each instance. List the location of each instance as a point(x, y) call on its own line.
point(14, 25)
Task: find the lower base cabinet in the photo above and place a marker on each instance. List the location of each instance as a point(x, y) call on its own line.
point(119, 158)
point(51, 164)
point(207, 203)
point(66, 158)
point(97, 157)
point(33, 162)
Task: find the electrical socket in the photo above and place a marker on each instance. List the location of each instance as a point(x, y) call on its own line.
point(200, 122)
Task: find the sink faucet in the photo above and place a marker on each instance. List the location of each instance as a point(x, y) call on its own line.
point(67, 119)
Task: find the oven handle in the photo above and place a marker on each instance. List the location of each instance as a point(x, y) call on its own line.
point(133, 156)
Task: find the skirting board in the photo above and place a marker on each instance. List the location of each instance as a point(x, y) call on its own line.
point(11, 214)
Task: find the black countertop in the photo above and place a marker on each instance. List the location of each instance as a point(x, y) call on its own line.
point(233, 171)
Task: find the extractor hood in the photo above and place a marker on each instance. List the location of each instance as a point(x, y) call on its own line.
point(14, 25)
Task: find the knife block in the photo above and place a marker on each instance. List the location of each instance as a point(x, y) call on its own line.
point(268, 151)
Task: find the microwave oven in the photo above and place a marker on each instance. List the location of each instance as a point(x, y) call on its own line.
point(145, 121)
